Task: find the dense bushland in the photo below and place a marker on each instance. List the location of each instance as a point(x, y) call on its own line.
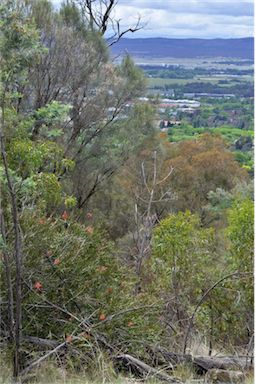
point(110, 234)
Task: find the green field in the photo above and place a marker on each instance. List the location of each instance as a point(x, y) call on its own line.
point(187, 132)
point(192, 62)
point(160, 82)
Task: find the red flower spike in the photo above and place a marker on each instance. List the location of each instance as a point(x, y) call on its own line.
point(69, 338)
point(37, 285)
point(130, 324)
point(86, 335)
point(102, 317)
point(65, 216)
point(89, 230)
point(56, 261)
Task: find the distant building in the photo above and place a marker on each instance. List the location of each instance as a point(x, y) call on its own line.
point(179, 103)
point(213, 95)
point(164, 125)
point(159, 92)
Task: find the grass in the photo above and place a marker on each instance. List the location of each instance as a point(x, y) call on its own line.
point(228, 133)
point(76, 380)
point(192, 62)
point(102, 371)
point(160, 82)
point(49, 374)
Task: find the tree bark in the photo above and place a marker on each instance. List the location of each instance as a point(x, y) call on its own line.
point(17, 252)
point(203, 363)
point(143, 369)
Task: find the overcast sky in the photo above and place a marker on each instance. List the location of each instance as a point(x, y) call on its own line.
point(188, 18)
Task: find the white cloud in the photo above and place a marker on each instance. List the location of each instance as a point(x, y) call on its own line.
point(187, 18)
point(224, 7)
point(194, 18)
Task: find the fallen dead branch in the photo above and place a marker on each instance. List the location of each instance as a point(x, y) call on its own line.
point(202, 364)
point(139, 367)
point(42, 358)
point(159, 357)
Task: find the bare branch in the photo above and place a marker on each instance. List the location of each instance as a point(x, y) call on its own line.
point(100, 15)
point(230, 275)
point(166, 177)
point(120, 33)
point(41, 359)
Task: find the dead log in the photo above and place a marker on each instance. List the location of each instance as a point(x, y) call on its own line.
point(45, 343)
point(223, 376)
point(162, 355)
point(142, 369)
point(203, 363)
point(222, 362)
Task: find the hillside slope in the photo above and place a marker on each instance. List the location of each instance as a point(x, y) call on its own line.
point(188, 48)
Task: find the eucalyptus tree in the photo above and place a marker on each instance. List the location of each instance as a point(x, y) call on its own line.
point(76, 69)
point(18, 48)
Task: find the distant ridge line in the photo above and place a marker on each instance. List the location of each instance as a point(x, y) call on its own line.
point(156, 47)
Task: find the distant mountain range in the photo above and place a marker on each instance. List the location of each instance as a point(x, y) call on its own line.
point(186, 48)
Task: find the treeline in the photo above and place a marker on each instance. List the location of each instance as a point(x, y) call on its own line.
point(180, 72)
point(244, 89)
point(110, 234)
point(217, 113)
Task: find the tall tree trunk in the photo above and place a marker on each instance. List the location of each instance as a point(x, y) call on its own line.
point(17, 254)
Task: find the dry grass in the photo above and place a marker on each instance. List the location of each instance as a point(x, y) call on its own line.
point(102, 372)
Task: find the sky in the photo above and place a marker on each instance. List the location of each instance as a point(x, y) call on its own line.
point(187, 18)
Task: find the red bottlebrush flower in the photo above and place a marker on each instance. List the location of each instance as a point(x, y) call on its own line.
point(69, 338)
point(37, 285)
point(102, 316)
point(89, 230)
point(56, 261)
point(65, 216)
point(130, 324)
point(86, 335)
point(89, 215)
point(109, 290)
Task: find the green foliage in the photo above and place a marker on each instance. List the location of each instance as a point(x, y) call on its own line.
point(19, 43)
point(78, 272)
point(71, 120)
point(181, 253)
point(231, 133)
point(132, 75)
point(240, 232)
point(48, 189)
point(50, 118)
point(229, 310)
point(219, 200)
point(245, 159)
point(70, 201)
point(185, 264)
point(186, 132)
point(27, 156)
